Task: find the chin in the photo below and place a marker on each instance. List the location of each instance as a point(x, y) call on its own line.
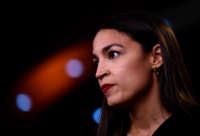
point(115, 103)
point(112, 103)
point(124, 105)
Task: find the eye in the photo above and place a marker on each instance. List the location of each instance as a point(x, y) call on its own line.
point(113, 54)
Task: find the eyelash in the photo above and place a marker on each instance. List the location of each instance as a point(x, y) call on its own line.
point(111, 54)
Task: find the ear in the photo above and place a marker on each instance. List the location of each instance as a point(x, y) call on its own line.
point(157, 60)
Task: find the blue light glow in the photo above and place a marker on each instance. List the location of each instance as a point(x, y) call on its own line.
point(74, 68)
point(96, 115)
point(23, 102)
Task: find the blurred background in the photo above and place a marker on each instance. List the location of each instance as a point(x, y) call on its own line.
point(47, 76)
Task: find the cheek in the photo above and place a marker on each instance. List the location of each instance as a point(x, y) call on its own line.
point(134, 77)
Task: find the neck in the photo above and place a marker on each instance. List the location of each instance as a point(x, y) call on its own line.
point(148, 114)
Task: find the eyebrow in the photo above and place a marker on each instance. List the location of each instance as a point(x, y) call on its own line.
point(107, 48)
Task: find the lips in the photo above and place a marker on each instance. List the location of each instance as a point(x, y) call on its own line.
point(106, 87)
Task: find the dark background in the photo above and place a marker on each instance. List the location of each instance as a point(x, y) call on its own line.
point(32, 31)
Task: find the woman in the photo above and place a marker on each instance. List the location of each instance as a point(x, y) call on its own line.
point(143, 77)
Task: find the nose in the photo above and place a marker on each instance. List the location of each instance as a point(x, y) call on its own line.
point(101, 71)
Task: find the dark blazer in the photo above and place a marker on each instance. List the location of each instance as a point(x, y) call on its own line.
point(180, 124)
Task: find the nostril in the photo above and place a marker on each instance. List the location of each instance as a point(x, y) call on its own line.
point(100, 76)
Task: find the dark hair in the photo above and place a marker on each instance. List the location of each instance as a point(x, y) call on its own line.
point(175, 84)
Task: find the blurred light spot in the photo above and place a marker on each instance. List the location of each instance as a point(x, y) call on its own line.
point(97, 115)
point(74, 68)
point(23, 102)
point(168, 22)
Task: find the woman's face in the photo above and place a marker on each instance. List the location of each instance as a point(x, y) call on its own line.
point(123, 68)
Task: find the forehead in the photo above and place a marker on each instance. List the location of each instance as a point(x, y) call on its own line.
point(109, 36)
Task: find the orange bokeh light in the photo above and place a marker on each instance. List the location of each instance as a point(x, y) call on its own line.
point(48, 81)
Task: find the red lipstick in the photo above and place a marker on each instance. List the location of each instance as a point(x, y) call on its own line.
point(106, 87)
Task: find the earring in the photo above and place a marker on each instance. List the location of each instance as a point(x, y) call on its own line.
point(155, 70)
